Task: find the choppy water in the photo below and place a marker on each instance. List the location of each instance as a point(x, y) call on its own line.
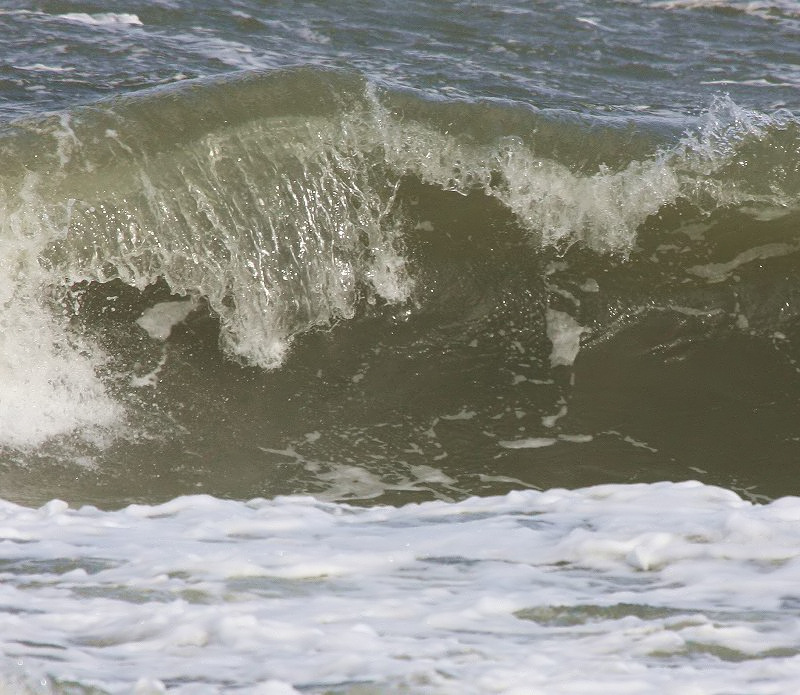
point(443, 261)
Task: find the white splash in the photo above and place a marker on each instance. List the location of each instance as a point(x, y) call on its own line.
point(48, 384)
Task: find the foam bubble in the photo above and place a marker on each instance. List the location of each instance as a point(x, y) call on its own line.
point(528, 443)
point(159, 320)
point(565, 334)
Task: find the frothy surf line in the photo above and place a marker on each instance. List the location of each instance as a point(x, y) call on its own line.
point(529, 592)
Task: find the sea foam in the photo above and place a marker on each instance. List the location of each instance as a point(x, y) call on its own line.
point(661, 588)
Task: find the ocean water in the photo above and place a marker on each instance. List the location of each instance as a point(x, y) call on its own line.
point(426, 347)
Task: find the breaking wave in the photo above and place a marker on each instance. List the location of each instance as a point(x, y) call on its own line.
point(284, 201)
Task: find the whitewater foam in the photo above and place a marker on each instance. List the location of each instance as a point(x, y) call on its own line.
point(663, 588)
point(50, 385)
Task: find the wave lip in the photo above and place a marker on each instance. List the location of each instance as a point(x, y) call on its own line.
point(598, 187)
point(269, 209)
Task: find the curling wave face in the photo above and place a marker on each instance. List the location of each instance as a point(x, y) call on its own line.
point(285, 201)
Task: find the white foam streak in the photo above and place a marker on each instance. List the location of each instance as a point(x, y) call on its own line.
point(661, 588)
point(717, 272)
point(103, 19)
